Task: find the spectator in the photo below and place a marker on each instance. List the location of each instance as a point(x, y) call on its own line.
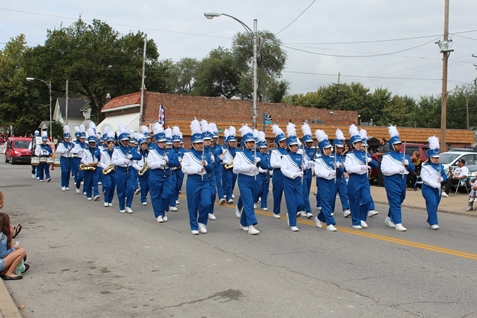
point(472, 195)
point(382, 149)
point(11, 255)
point(412, 177)
point(455, 175)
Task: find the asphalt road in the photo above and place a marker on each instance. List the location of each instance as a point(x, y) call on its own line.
point(91, 261)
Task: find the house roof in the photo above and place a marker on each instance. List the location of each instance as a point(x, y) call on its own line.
point(133, 99)
point(75, 107)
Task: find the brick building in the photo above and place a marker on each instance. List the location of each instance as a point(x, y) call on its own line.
point(181, 110)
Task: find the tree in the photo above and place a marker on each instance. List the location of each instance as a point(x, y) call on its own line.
point(183, 75)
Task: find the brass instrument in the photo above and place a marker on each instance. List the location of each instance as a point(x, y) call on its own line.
point(108, 170)
point(143, 170)
point(89, 167)
point(229, 166)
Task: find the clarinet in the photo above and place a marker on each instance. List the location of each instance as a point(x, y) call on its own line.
point(203, 157)
point(127, 166)
point(334, 164)
point(403, 160)
point(254, 161)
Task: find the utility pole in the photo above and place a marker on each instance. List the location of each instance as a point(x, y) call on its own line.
point(338, 92)
point(444, 46)
point(66, 104)
point(142, 80)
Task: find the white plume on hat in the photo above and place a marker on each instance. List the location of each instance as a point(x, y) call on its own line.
point(121, 129)
point(44, 133)
point(291, 130)
point(277, 130)
point(82, 128)
point(226, 133)
point(66, 129)
point(204, 126)
point(213, 128)
point(139, 136)
point(353, 130)
point(158, 128)
point(305, 128)
point(393, 132)
point(321, 135)
point(255, 133)
point(245, 130)
point(433, 142)
point(106, 130)
point(109, 132)
point(176, 131)
point(232, 131)
point(132, 133)
point(168, 133)
point(363, 134)
point(92, 125)
point(339, 134)
point(195, 127)
point(143, 129)
point(261, 136)
point(77, 129)
point(91, 132)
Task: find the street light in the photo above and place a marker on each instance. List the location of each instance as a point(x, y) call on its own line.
point(211, 15)
point(49, 88)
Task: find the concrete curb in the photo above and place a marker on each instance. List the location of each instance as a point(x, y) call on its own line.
point(8, 308)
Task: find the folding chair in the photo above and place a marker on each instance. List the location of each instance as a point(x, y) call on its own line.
point(462, 183)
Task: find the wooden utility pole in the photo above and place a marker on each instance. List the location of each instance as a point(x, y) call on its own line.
point(445, 57)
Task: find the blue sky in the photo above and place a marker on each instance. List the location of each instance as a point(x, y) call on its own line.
point(380, 43)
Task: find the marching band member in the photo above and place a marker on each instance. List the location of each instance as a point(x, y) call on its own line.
point(173, 163)
point(43, 151)
point(32, 148)
point(292, 170)
point(263, 176)
point(123, 156)
point(364, 138)
point(395, 167)
point(432, 174)
point(63, 150)
point(147, 135)
point(133, 144)
point(160, 181)
point(357, 163)
point(109, 180)
point(179, 150)
point(276, 163)
point(217, 151)
point(326, 167)
point(341, 183)
point(198, 166)
point(308, 153)
point(207, 137)
point(142, 168)
point(90, 159)
point(98, 173)
point(228, 177)
point(77, 154)
point(245, 166)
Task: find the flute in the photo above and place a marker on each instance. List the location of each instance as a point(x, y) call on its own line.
point(203, 157)
point(254, 161)
point(403, 160)
point(334, 164)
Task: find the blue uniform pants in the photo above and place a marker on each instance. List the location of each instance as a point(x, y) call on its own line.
point(293, 196)
point(433, 198)
point(342, 189)
point(88, 183)
point(198, 200)
point(327, 199)
point(359, 197)
point(263, 183)
point(248, 191)
point(144, 183)
point(124, 186)
point(277, 182)
point(160, 185)
point(306, 191)
point(43, 170)
point(395, 186)
point(65, 165)
point(109, 184)
point(212, 186)
point(218, 182)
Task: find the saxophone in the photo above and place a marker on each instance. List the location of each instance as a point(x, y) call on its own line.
point(109, 169)
point(143, 170)
point(90, 167)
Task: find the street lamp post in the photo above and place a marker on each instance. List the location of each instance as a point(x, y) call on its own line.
point(49, 89)
point(211, 15)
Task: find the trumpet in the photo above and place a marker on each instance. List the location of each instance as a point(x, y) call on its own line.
point(108, 170)
point(90, 167)
point(143, 170)
point(229, 166)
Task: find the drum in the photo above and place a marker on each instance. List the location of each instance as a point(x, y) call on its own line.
point(57, 162)
point(50, 161)
point(35, 161)
point(43, 159)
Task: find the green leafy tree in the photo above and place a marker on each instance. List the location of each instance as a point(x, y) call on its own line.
point(183, 75)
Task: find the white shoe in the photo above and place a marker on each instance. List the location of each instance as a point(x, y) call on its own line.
point(233, 196)
point(445, 195)
point(122, 211)
point(33, 176)
point(165, 218)
point(202, 228)
point(238, 213)
point(255, 205)
point(364, 225)
point(67, 189)
point(41, 180)
point(358, 227)
point(194, 232)
point(469, 208)
point(388, 222)
point(276, 216)
point(331, 228)
point(159, 219)
point(78, 190)
point(230, 201)
point(372, 213)
point(265, 209)
point(222, 201)
point(129, 210)
point(259, 199)
point(110, 204)
point(89, 199)
point(106, 204)
point(177, 202)
point(346, 213)
point(63, 188)
point(309, 215)
point(99, 183)
point(318, 207)
point(318, 222)
point(294, 229)
point(144, 203)
point(137, 191)
point(400, 228)
point(470, 200)
point(244, 228)
point(84, 193)
point(173, 209)
point(332, 213)
point(81, 182)
point(96, 197)
point(252, 230)
point(300, 213)
point(212, 217)
point(434, 227)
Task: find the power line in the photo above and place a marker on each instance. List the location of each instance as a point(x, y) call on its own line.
point(296, 17)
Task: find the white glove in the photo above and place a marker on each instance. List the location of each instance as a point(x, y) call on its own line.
point(166, 158)
point(332, 174)
point(161, 161)
point(364, 169)
point(129, 156)
point(338, 164)
point(406, 162)
point(253, 168)
point(257, 160)
point(369, 159)
point(224, 151)
point(298, 175)
point(401, 170)
point(310, 164)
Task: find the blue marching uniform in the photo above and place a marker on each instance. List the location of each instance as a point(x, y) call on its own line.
point(173, 163)
point(90, 155)
point(263, 179)
point(229, 178)
point(325, 170)
point(218, 150)
point(278, 179)
point(358, 185)
point(77, 154)
point(308, 158)
point(291, 169)
point(341, 186)
point(44, 152)
point(432, 175)
point(63, 150)
point(109, 179)
point(179, 175)
point(197, 186)
point(212, 179)
point(122, 160)
point(144, 178)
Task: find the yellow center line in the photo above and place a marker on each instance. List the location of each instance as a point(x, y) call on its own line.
point(366, 233)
